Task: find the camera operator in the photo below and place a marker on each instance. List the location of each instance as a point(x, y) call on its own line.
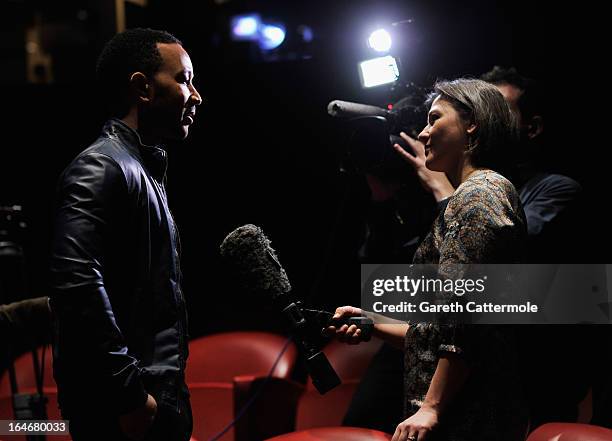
point(562, 361)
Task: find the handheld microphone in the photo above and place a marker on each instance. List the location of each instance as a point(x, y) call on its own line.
point(258, 270)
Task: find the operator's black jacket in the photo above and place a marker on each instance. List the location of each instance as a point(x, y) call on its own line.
point(120, 319)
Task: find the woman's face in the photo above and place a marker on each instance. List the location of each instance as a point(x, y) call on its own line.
point(445, 137)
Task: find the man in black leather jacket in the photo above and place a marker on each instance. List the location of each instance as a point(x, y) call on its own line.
point(120, 342)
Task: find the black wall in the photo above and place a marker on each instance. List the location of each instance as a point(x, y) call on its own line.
point(263, 149)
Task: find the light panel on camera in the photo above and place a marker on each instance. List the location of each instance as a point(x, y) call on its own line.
point(378, 71)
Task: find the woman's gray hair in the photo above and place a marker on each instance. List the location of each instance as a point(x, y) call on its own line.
point(482, 104)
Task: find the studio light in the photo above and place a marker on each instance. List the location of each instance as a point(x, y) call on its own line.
point(306, 33)
point(380, 40)
point(272, 36)
point(245, 27)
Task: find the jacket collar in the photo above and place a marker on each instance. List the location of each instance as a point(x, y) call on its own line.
point(154, 158)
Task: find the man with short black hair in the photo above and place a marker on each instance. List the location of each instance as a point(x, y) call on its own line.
point(550, 200)
point(120, 343)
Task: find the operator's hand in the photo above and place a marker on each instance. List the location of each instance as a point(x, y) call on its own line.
point(137, 423)
point(347, 334)
point(435, 182)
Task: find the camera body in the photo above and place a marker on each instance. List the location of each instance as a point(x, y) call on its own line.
point(373, 131)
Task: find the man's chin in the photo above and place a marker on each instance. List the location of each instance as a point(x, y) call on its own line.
point(184, 132)
point(177, 135)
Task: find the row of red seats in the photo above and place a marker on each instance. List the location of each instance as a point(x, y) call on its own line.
point(226, 371)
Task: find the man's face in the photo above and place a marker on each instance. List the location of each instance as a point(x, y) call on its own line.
point(173, 96)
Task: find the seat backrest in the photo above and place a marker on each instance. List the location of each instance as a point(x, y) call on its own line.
point(221, 357)
point(570, 432)
point(216, 360)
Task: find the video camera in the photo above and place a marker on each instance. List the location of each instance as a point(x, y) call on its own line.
point(374, 130)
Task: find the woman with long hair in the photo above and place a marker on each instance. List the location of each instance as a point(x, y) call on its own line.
point(462, 381)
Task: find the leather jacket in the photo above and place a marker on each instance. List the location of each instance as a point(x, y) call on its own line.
point(120, 324)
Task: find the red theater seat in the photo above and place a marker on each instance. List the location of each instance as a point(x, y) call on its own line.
point(334, 434)
point(570, 432)
point(26, 382)
point(225, 369)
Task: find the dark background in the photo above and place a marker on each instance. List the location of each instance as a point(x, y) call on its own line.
point(263, 149)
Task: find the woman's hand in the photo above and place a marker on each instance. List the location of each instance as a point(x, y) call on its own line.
point(418, 426)
point(435, 182)
point(347, 334)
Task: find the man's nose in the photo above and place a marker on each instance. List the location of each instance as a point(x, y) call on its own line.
point(195, 96)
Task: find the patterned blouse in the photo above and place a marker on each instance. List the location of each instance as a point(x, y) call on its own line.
point(482, 223)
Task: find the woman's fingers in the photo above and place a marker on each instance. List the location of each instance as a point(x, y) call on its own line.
point(397, 436)
point(410, 431)
point(412, 160)
point(346, 311)
point(345, 333)
point(405, 433)
point(417, 146)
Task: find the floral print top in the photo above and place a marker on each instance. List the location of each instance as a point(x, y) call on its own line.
point(482, 223)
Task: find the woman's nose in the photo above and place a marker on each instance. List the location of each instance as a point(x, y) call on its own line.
point(424, 136)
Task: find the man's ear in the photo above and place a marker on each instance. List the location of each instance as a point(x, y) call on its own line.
point(140, 88)
point(535, 127)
